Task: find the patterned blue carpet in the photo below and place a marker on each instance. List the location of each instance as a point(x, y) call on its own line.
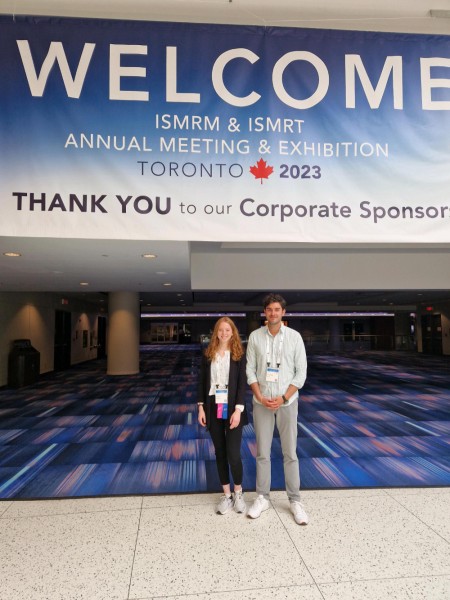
point(366, 420)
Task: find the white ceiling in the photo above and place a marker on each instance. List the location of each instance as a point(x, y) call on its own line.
point(411, 16)
point(60, 265)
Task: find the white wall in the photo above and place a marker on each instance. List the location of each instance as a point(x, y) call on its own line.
point(228, 268)
point(32, 316)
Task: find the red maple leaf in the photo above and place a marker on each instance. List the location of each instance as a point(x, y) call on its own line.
point(261, 170)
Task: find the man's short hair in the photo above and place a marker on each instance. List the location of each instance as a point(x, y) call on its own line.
point(270, 298)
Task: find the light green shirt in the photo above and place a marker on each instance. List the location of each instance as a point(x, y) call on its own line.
point(293, 364)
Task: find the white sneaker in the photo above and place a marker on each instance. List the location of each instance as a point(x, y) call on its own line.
point(300, 516)
point(258, 506)
point(239, 502)
point(224, 505)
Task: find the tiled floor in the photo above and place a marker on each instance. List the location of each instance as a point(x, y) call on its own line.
point(372, 544)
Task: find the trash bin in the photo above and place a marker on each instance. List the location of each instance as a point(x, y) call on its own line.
point(23, 364)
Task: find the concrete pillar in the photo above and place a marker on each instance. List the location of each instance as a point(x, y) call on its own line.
point(123, 338)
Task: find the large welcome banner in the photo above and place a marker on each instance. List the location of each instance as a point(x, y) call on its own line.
point(137, 130)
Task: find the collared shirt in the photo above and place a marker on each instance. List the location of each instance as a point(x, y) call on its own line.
point(220, 371)
point(293, 364)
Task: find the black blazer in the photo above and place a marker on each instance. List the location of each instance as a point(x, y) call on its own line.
point(237, 382)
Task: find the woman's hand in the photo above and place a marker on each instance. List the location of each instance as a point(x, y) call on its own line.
point(201, 415)
point(235, 419)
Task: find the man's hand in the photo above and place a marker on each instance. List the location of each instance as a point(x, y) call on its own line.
point(272, 403)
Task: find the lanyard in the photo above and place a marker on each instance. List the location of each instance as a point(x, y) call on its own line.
point(280, 336)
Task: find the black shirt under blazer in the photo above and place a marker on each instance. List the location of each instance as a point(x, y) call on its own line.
point(237, 382)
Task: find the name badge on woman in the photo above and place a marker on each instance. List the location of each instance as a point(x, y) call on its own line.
point(272, 374)
point(221, 395)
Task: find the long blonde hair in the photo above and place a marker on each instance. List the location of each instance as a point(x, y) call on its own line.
point(236, 348)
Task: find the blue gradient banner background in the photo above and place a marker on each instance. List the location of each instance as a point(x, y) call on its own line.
point(338, 174)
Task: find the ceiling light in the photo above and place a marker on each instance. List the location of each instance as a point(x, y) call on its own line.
point(84, 283)
point(161, 272)
point(11, 254)
point(149, 255)
point(167, 284)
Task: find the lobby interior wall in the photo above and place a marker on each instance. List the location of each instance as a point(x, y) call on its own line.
point(84, 336)
point(446, 331)
point(32, 316)
point(197, 327)
point(444, 310)
point(322, 269)
point(405, 336)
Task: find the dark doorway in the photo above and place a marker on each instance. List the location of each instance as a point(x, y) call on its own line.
point(382, 331)
point(353, 331)
point(62, 340)
point(432, 334)
point(101, 337)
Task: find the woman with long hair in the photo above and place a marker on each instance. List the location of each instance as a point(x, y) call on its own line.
point(221, 407)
